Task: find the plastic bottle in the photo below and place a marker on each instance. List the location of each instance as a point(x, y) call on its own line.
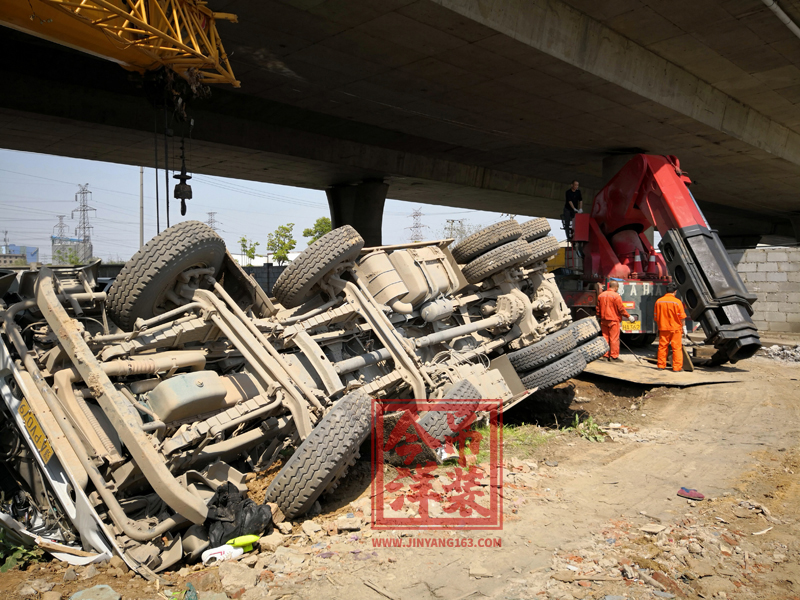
point(220, 554)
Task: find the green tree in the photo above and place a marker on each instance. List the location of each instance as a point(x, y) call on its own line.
point(248, 250)
point(459, 229)
point(320, 228)
point(280, 242)
point(66, 256)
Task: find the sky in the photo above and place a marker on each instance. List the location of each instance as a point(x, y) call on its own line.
point(36, 188)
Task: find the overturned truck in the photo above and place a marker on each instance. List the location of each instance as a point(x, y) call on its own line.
point(124, 410)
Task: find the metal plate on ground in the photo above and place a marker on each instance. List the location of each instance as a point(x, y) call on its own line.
point(628, 369)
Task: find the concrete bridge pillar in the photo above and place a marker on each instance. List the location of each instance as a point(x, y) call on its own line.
point(361, 206)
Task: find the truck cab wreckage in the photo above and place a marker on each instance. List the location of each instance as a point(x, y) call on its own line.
point(123, 411)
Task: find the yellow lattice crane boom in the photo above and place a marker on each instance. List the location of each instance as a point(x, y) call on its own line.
point(141, 35)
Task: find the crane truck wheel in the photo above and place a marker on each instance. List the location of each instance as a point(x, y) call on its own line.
point(327, 450)
point(557, 372)
point(542, 352)
point(584, 330)
point(496, 260)
point(146, 285)
point(638, 340)
point(295, 285)
point(534, 229)
point(486, 239)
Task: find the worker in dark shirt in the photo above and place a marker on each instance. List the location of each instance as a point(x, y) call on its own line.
point(573, 205)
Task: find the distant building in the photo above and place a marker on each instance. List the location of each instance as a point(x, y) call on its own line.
point(64, 247)
point(31, 253)
point(12, 260)
point(11, 254)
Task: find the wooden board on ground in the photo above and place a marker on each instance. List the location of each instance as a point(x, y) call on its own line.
point(629, 369)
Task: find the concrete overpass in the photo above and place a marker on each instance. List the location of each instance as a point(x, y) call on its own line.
point(486, 104)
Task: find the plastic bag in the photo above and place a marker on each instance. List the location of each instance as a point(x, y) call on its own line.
point(231, 515)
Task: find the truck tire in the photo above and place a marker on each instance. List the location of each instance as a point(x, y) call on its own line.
point(496, 260)
point(584, 330)
point(322, 455)
point(486, 239)
point(593, 349)
point(558, 372)
point(542, 250)
point(435, 422)
point(534, 229)
point(638, 340)
point(139, 289)
point(542, 352)
point(294, 286)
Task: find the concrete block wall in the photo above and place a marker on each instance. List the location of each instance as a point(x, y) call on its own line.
point(773, 274)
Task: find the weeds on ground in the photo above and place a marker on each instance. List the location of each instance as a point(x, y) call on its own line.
point(518, 440)
point(587, 429)
point(13, 555)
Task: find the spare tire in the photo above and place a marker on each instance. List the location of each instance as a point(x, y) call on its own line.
point(496, 260)
point(534, 229)
point(140, 289)
point(294, 286)
point(486, 239)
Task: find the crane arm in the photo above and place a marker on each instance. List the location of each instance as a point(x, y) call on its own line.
point(653, 191)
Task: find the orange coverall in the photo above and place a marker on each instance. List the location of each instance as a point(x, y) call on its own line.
point(611, 312)
point(669, 318)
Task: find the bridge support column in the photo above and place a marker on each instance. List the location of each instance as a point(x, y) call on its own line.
point(361, 206)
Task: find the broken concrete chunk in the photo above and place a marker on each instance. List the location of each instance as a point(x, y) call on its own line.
point(652, 528)
point(236, 578)
point(117, 563)
point(479, 571)
point(695, 548)
point(98, 592)
point(70, 574)
point(310, 528)
point(348, 523)
point(284, 528)
point(271, 542)
point(91, 571)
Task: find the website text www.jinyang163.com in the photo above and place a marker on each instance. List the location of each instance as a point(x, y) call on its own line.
point(434, 542)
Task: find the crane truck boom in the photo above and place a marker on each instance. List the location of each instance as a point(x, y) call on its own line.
point(652, 191)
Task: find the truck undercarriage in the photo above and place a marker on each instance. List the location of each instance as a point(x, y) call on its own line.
point(125, 411)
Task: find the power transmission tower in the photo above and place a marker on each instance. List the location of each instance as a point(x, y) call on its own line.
point(83, 231)
point(60, 229)
point(417, 227)
point(452, 228)
point(212, 221)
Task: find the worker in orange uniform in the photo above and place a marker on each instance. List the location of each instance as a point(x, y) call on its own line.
point(611, 312)
point(669, 318)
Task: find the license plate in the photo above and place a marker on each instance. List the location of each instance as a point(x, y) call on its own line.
point(634, 327)
point(35, 431)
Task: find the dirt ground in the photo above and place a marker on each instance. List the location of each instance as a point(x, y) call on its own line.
point(574, 509)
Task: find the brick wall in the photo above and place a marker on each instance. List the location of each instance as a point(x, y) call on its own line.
point(773, 274)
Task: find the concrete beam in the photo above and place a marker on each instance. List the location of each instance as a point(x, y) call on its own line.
point(557, 29)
